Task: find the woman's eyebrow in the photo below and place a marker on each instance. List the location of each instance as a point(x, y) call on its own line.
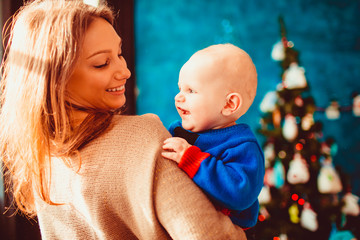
point(103, 51)
point(99, 52)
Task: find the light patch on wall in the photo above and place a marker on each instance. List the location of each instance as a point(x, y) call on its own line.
point(94, 3)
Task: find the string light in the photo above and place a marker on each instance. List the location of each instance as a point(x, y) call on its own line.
point(299, 146)
point(294, 197)
point(282, 154)
point(261, 218)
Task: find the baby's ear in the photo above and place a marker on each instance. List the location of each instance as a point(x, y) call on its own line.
point(233, 104)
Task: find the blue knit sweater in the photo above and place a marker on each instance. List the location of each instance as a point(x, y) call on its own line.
point(228, 164)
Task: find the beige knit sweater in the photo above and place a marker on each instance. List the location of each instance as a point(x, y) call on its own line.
point(126, 190)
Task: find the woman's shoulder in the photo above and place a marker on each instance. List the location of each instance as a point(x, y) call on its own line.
point(148, 118)
point(137, 130)
point(147, 123)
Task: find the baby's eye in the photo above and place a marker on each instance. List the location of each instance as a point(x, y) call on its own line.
point(191, 91)
point(102, 65)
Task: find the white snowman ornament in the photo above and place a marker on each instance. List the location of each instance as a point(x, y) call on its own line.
point(328, 180)
point(298, 170)
point(290, 128)
point(351, 206)
point(294, 77)
point(308, 218)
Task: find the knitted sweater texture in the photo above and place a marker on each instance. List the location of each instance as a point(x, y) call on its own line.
point(228, 164)
point(124, 189)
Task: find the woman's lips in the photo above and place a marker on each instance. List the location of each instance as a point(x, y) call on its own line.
point(116, 89)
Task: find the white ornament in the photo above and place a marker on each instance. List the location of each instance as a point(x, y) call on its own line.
point(264, 196)
point(351, 206)
point(298, 170)
point(290, 129)
point(307, 121)
point(332, 112)
point(294, 77)
point(269, 154)
point(278, 51)
point(308, 218)
point(269, 102)
point(283, 236)
point(356, 106)
point(328, 180)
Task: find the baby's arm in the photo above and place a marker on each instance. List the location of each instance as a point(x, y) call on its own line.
point(175, 148)
point(188, 157)
point(227, 179)
point(233, 178)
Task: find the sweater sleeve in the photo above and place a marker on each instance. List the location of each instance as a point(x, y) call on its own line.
point(191, 160)
point(234, 179)
point(183, 209)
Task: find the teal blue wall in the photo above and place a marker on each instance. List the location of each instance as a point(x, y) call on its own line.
point(326, 33)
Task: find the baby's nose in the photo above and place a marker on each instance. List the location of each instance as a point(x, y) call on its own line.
point(179, 97)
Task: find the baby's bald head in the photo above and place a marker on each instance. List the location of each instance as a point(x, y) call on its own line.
point(234, 68)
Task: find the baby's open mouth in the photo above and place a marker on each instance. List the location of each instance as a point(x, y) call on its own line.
point(183, 111)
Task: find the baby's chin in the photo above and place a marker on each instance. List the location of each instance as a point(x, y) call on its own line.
point(187, 126)
point(191, 128)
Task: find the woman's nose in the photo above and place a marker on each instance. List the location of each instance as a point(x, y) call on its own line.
point(122, 71)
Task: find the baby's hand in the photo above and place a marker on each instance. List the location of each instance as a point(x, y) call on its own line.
point(175, 148)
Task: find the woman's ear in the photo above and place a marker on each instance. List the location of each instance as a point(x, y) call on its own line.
point(233, 104)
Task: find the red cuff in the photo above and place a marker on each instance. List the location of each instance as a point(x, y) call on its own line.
point(191, 160)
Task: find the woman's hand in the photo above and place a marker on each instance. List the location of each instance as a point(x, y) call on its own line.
point(175, 148)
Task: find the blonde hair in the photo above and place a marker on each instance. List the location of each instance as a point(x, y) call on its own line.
point(45, 37)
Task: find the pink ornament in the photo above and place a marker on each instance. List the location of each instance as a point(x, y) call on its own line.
point(269, 177)
point(356, 106)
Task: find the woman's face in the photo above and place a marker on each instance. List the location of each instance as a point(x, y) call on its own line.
point(100, 74)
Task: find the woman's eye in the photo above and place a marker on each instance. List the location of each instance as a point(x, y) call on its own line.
point(120, 55)
point(102, 65)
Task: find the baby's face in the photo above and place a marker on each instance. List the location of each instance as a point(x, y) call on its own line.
point(202, 95)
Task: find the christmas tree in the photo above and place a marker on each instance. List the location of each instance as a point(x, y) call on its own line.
point(304, 195)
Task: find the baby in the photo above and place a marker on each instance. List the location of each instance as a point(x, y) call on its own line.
point(217, 86)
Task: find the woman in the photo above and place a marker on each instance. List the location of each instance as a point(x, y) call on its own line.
point(86, 171)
